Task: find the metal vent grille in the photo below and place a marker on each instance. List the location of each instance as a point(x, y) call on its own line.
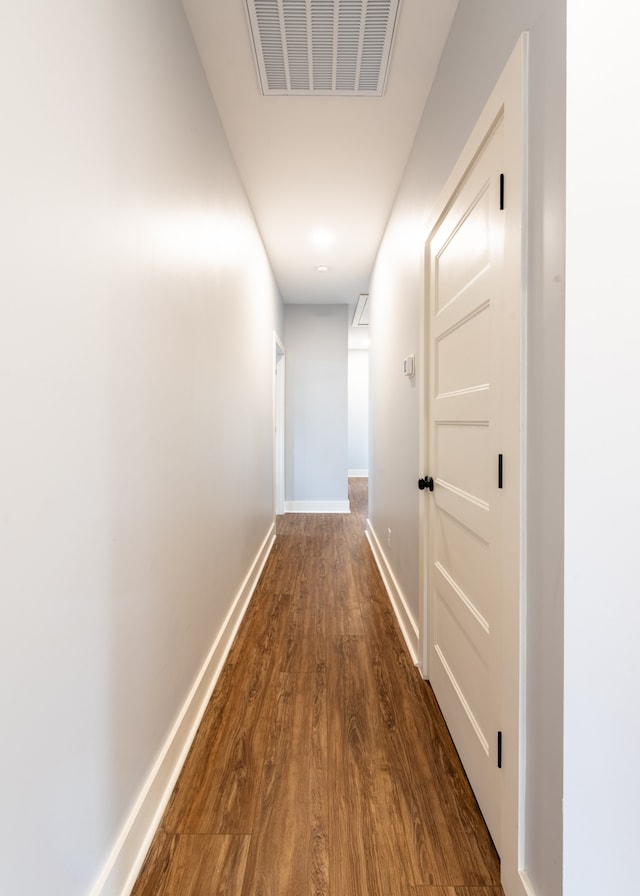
point(361, 314)
point(322, 46)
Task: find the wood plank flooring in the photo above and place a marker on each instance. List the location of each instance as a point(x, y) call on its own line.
point(322, 766)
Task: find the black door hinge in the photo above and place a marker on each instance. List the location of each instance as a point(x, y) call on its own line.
point(499, 749)
point(502, 192)
point(499, 471)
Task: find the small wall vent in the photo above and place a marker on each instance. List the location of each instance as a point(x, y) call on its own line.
point(322, 47)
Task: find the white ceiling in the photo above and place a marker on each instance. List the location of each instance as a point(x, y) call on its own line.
point(316, 165)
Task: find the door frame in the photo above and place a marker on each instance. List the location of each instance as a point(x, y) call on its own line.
point(278, 424)
point(509, 99)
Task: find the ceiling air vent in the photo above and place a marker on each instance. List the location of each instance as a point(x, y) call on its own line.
point(322, 47)
point(361, 314)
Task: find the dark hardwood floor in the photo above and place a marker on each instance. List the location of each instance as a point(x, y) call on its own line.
point(322, 765)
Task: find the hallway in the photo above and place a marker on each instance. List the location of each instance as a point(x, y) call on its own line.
point(322, 764)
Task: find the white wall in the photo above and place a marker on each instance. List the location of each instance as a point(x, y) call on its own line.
point(136, 473)
point(316, 408)
point(602, 487)
point(482, 37)
point(358, 402)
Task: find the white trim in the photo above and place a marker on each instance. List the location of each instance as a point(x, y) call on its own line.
point(128, 854)
point(317, 507)
point(358, 474)
point(526, 884)
point(407, 623)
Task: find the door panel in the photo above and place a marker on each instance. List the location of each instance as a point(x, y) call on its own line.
point(462, 648)
point(466, 253)
point(460, 456)
point(454, 539)
point(469, 338)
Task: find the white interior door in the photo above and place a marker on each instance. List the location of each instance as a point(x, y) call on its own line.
point(465, 409)
point(278, 426)
point(474, 427)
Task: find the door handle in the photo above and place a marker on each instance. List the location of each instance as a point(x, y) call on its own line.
point(427, 482)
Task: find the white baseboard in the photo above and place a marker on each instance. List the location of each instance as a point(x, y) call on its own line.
point(527, 886)
point(358, 474)
point(407, 624)
point(317, 507)
point(128, 854)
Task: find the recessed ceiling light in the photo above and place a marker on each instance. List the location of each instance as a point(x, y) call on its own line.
point(323, 268)
point(322, 238)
